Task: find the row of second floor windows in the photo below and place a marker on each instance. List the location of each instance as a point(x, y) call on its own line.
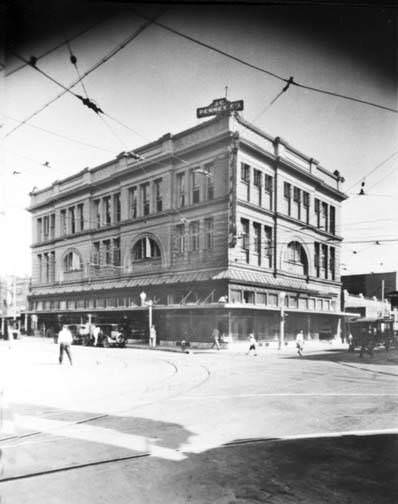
point(194, 236)
point(255, 241)
point(46, 227)
point(195, 185)
point(255, 186)
point(46, 267)
point(273, 299)
point(145, 199)
point(297, 204)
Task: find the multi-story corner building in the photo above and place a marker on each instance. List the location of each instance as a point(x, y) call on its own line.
point(221, 225)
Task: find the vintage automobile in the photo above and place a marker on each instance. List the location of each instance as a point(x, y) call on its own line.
point(81, 334)
point(369, 333)
point(111, 335)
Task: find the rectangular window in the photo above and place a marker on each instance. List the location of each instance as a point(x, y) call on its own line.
point(157, 186)
point(133, 202)
point(245, 237)
point(181, 200)
point(317, 210)
point(80, 216)
point(52, 266)
point(63, 223)
point(332, 219)
point(236, 296)
point(324, 261)
point(97, 213)
point(96, 257)
point(268, 191)
point(272, 299)
point(210, 174)
point(72, 220)
point(257, 241)
point(107, 210)
point(195, 186)
point(46, 227)
point(268, 251)
point(194, 235)
point(117, 212)
point(332, 263)
point(317, 259)
point(116, 251)
point(39, 230)
point(324, 217)
point(52, 226)
point(297, 202)
point(261, 298)
point(107, 252)
point(287, 194)
point(209, 233)
point(46, 268)
point(145, 199)
point(257, 182)
point(245, 173)
point(306, 207)
point(39, 268)
point(248, 297)
point(180, 238)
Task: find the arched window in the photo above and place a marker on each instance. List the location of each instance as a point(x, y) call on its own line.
point(72, 262)
point(145, 249)
point(296, 259)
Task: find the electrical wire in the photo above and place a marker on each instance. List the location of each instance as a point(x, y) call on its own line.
point(264, 70)
point(99, 63)
point(61, 44)
point(379, 165)
point(267, 107)
point(59, 135)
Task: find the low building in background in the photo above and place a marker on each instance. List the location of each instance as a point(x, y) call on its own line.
point(220, 225)
point(14, 293)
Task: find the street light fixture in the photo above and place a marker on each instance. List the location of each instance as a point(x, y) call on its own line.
point(148, 303)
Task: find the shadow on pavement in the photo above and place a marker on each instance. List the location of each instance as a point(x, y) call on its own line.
point(379, 357)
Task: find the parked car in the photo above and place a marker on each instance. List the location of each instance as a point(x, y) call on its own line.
point(111, 335)
point(81, 334)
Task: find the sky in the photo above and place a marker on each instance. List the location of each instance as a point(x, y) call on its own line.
point(155, 83)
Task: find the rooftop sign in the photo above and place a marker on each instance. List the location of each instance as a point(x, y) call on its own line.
point(219, 106)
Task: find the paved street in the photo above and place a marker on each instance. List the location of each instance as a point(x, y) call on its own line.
point(135, 426)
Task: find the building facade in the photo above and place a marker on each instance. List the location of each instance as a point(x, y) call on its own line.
point(14, 293)
point(221, 225)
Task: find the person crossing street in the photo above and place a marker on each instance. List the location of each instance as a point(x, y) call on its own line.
point(65, 340)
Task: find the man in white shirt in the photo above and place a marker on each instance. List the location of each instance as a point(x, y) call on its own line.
point(65, 340)
point(300, 343)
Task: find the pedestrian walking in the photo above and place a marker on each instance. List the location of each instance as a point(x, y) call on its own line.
point(350, 341)
point(252, 344)
point(65, 339)
point(300, 343)
point(152, 336)
point(96, 334)
point(216, 338)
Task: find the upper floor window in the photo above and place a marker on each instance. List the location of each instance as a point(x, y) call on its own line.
point(80, 216)
point(180, 238)
point(306, 207)
point(332, 219)
point(39, 229)
point(96, 257)
point(195, 186)
point(133, 202)
point(297, 202)
point(287, 193)
point(181, 200)
point(72, 220)
point(257, 181)
point(296, 258)
point(245, 173)
point(106, 201)
point(157, 185)
point(116, 208)
point(72, 262)
point(268, 190)
point(145, 198)
point(52, 225)
point(245, 236)
point(146, 249)
point(268, 246)
point(257, 241)
point(107, 252)
point(317, 210)
point(97, 213)
point(210, 174)
point(209, 233)
point(194, 235)
point(63, 222)
point(116, 251)
point(46, 227)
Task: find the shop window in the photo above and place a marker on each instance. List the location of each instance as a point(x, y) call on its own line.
point(248, 297)
point(236, 296)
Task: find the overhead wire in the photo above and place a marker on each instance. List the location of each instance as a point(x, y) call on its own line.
point(99, 63)
point(269, 105)
point(375, 168)
point(61, 44)
point(264, 70)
